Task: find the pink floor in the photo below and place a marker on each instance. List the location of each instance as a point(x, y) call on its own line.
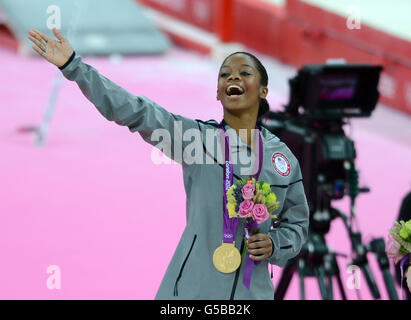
point(92, 202)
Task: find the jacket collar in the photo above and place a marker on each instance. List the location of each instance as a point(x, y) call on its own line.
point(265, 133)
point(225, 124)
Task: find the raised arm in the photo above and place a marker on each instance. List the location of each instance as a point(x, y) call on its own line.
point(116, 104)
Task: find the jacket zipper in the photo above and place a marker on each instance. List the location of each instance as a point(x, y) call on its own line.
point(182, 266)
point(237, 274)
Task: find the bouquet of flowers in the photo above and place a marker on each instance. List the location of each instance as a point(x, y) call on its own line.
point(399, 242)
point(251, 200)
point(399, 247)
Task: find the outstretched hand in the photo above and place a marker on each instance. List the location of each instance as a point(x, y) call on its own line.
point(259, 246)
point(58, 52)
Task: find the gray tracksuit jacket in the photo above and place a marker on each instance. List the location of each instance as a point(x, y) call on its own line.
point(191, 273)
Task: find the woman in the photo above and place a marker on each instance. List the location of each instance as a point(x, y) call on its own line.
point(242, 88)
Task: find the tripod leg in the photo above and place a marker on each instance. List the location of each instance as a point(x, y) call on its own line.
point(320, 274)
point(329, 287)
point(378, 248)
point(339, 281)
point(389, 283)
point(285, 279)
point(301, 277)
point(341, 286)
point(370, 281)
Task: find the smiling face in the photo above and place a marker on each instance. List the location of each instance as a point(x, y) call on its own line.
point(239, 85)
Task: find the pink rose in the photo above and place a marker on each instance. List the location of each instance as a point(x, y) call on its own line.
point(245, 209)
point(393, 249)
point(260, 213)
point(248, 191)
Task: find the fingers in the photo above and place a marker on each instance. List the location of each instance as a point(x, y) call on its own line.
point(39, 51)
point(58, 34)
point(39, 44)
point(39, 35)
point(259, 247)
point(44, 37)
point(39, 41)
point(258, 251)
point(260, 254)
point(258, 237)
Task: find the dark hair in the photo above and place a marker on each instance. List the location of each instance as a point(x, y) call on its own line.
point(264, 107)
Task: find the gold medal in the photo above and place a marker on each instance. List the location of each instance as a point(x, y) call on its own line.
point(227, 258)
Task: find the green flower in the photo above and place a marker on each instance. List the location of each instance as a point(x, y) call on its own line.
point(231, 212)
point(407, 226)
point(273, 206)
point(270, 198)
point(266, 188)
point(231, 199)
point(231, 204)
point(231, 190)
point(404, 233)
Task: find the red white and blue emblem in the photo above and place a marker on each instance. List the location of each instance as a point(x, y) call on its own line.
point(281, 164)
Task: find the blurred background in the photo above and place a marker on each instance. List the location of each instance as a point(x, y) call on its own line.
point(81, 199)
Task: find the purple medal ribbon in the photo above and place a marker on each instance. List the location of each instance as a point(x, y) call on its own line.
point(230, 224)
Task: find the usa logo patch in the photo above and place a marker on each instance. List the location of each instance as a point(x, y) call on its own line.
point(281, 164)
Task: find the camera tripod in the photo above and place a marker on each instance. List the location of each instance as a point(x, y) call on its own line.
point(316, 259)
point(322, 99)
